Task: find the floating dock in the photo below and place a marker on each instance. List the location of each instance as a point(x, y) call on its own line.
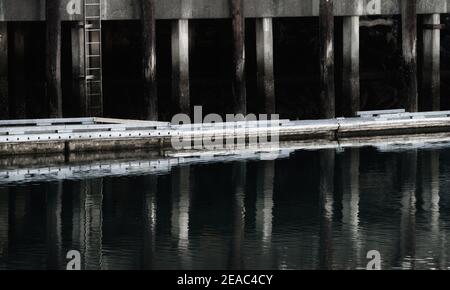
point(101, 135)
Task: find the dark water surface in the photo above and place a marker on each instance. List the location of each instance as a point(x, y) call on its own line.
point(314, 210)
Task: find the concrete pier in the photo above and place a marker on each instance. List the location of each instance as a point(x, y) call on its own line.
point(16, 95)
point(78, 68)
point(148, 24)
point(239, 83)
point(53, 58)
point(326, 47)
point(180, 66)
point(431, 74)
point(4, 75)
point(264, 58)
point(350, 75)
point(18, 66)
point(409, 44)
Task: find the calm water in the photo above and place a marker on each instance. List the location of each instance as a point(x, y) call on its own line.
point(313, 210)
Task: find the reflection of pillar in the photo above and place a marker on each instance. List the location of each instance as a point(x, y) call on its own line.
point(79, 218)
point(264, 200)
point(54, 238)
point(151, 188)
point(93, 223)
point(4, 222)
point(350, 200)
point(78, 68)
point(408, 210)
point(430, 194)
point(326, 190)
point(18, 71)
point(239, 183)
point(181, 195)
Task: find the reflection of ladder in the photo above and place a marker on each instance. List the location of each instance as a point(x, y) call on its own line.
point(93, 57)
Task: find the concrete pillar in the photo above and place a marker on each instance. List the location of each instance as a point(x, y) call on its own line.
point(78, 69)
point(149, 59)
point(431, 80)
point(239, 83)
point(18, 54)
point(54, 225)
point(180, 65)
point(409, 44)
point(4, 222)
point(326, 42)
point(4, 77)
point(326, 191)
point(350, 76)
point(53, 58)
point(264, 59)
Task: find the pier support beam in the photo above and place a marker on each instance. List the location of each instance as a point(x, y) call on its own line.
point(78, 56)
point(239, 84)
point(409, 70)
point(180, 65)
point(264, 58)
point(149, 59)
point(18, 72)
point(350, 76)
point(431, 80)
point(4, 89)
point(326, 37)
point(53, 58)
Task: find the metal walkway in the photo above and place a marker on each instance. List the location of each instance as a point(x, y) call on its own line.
point(42, 135)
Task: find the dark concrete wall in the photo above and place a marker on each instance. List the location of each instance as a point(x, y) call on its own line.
point(32, 10)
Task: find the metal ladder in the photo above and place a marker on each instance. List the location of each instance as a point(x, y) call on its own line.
point(93, 57)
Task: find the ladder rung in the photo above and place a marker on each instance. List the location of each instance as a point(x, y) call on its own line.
point(93, 30)
point(92, 4)
point(92, 17)
point(93, 55)
point(94, 68)
point(93, 42)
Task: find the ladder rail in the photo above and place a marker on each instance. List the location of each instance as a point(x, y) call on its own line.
point(93, 57)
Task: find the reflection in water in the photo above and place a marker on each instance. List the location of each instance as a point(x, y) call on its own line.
point(53, 226)
point(4, 223)
point(150, 221)
point(181, 198)
point(408, 210)
point(312, 210)
point(326, 190)
point(264, 202)
point(349, 171)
